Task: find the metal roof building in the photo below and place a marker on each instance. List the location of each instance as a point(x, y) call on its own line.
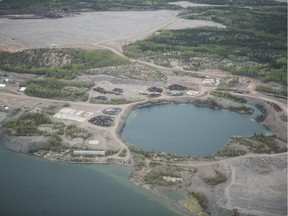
point(88, 153)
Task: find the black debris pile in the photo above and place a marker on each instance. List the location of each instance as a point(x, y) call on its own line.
point(102, 120)
point(117, 91)
point(155, 95)
point(155, 89)
point(275, 106)
point(101, 98)
point(112, 111)
point(101, 90)
point(177, 87)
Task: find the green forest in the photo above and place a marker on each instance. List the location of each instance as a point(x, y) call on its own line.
point(44, 6)
point(48, 6)
point(253, 42)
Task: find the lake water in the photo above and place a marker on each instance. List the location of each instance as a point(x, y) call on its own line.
point(186, 129)
point(32, 186)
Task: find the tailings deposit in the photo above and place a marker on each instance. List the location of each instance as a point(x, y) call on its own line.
point(186, 129)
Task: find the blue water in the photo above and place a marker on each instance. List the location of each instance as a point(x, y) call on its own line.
point(33, 187)
point(186, 129)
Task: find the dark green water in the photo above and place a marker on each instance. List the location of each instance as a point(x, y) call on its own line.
point(33, 187)
point(186, 129)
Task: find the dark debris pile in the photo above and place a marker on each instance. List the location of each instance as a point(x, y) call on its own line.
point(102, 120)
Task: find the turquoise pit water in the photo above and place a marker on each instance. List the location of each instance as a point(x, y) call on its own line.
point(186, 129)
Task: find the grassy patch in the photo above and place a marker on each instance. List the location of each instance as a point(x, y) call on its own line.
point(215, 180)
point(73, 131)
point(201, 198)
point(193, 206)
point(155, 176)
point(228, 151)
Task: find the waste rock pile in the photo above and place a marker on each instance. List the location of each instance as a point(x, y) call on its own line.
point(116, 91)
point(176, 87)
point(155, 89)
point(101, 98)
point(102, 120)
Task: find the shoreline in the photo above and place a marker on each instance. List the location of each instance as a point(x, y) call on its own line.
point(117, 131)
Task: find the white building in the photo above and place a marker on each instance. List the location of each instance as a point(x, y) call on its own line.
point(88, 153)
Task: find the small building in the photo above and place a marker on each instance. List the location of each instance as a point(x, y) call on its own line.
point(2, 85)
point(89, 153)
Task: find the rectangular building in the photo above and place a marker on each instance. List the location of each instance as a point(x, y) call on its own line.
point(88, 153)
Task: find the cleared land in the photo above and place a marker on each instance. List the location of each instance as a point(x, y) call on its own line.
point(89, 29)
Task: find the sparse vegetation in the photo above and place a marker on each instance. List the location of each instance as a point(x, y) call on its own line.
point(260, 144)
point(54, 140)
point(123, 153)
point(267, 89)
point(211, 103)
point(27, 124)
point(215, 180)
point(58, 63)
point(228, 96)
point(228, 151)
point(73, 131)
point(253, 44)
point(155, 176)
point(263, 115)
point(201, 198)
point(56, 88)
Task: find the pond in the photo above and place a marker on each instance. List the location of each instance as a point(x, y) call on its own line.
point(186, 129)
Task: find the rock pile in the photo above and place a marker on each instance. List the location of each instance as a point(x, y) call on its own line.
point(155, 89)
point(116, 91)
point(275, 106)
point(176, 87)
point(102, 120)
